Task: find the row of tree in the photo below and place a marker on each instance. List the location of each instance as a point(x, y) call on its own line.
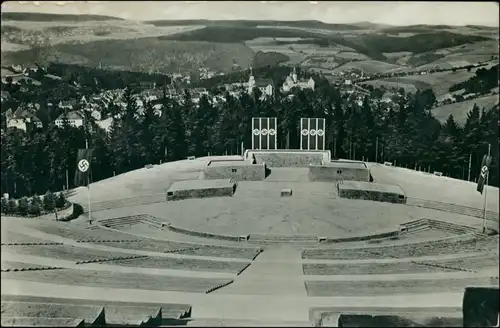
point(33, 206)
point(405, 133)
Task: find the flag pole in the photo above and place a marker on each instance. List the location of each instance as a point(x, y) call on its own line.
point(88, 185)
point(486, 192)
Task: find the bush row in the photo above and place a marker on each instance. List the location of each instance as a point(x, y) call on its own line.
point(35, 206)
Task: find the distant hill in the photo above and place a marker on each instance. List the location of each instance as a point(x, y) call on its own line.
point(254, 23)
point(460, 109)
point(143, 54)
point(40, 17)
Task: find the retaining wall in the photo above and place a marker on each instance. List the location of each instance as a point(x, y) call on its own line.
point(379, 196)
point(336, 171)
point(371, 191)
point(200, 193)
point(238, 170)
point(288, 157)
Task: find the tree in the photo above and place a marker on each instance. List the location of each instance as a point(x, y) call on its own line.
point(60, 201)
point(12, 206)
point(23, 206)
point(4, 205)
point(36, 205)
point(49, 201)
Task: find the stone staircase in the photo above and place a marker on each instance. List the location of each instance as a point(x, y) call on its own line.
point(452, 208)
point(425, 224)
point(415, 226)
point(454, 228)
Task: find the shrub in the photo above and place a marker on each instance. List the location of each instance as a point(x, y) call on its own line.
point(12, 207)
point(4, 205)
point(60, 200)
point(23, 206)
point(49, 201)
point(77, 211)
point(35, 208)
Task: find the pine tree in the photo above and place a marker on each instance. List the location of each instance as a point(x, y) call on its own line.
point(23, 206)
point(49, 201)
point(60, 200)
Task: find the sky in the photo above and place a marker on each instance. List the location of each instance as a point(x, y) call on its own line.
point(342, 12)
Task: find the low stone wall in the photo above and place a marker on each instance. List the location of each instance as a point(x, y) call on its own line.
point(288, 157)
point(375, 236)
point(201, 193)
point(329, 173)
point(379, 196)
point(235, 170)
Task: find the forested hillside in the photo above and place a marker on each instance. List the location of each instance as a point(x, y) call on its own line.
point(406, 134)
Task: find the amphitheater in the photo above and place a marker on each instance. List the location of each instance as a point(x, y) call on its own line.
point(270, 238)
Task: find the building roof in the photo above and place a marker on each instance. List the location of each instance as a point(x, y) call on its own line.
point(21, 113)
point(263, 82)
point(71, 116)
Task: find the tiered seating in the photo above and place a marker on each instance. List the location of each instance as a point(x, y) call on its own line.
point(21, 266)
point(415, 226)
point(369, 268)
point(13, 238)
point(424, 224)
point(66, 252)
point(181, 264)
point(222, 251)
point(81, 233)
point(391, 287)
point(457, 229)
point(114, 279)
point(460, 244)
point(42, 311)
point(122, 221)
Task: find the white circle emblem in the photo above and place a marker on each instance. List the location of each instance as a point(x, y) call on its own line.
point(305, 132)
point(83, 165)
point(312, 132)
point(256, 132)
point(264, 132)
point(484, 171)
point(321, 133)
point(272, 132)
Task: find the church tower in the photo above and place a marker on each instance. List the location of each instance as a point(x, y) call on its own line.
point(294, 75)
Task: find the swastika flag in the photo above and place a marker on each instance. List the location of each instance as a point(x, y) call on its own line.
point(312, 133)
point(83, 161)
point(264, 132)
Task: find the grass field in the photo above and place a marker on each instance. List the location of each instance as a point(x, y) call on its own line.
point(369, 67)
point(460, 109)
point(439, 82)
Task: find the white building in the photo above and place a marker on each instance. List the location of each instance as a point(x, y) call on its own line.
point(292, 81)
point(264, 85)
point(74, 118)
point(23, 119)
